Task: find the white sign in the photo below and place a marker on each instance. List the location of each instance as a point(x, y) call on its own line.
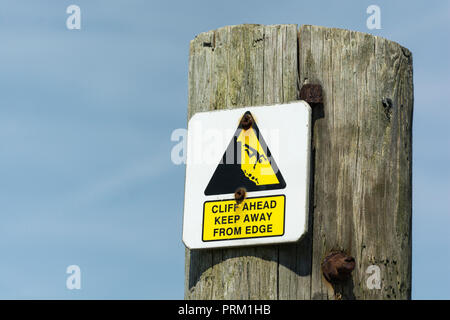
point(247, 176)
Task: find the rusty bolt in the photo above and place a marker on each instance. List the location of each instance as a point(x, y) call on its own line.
point(337, 266)
point(239, 195)
point(311, 93)
point(246, 121)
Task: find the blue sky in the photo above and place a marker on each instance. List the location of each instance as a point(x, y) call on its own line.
point(85, 124)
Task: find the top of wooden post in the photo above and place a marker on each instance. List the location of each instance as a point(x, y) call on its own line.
point(361, 172)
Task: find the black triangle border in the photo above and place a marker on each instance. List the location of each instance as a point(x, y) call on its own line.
point(262, 142)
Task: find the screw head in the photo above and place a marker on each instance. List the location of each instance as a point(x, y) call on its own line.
point(246, 121)
point(239, 195)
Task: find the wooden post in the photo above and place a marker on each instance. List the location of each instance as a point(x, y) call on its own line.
point(361, 172)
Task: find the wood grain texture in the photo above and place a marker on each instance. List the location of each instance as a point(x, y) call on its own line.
point(362, 166)
point(360, 198)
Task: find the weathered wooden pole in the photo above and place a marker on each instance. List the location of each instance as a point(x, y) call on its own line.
point(361, 172)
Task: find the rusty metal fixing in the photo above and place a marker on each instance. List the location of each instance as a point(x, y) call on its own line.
point(246, 121)
point(239, 195)
point(311, 93)
point(337, 266)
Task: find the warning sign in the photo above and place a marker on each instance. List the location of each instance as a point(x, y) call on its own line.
point(248, 163)
point(247, 176)
point(253, 218)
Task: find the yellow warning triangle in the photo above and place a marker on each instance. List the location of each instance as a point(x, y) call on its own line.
point(247, 163)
